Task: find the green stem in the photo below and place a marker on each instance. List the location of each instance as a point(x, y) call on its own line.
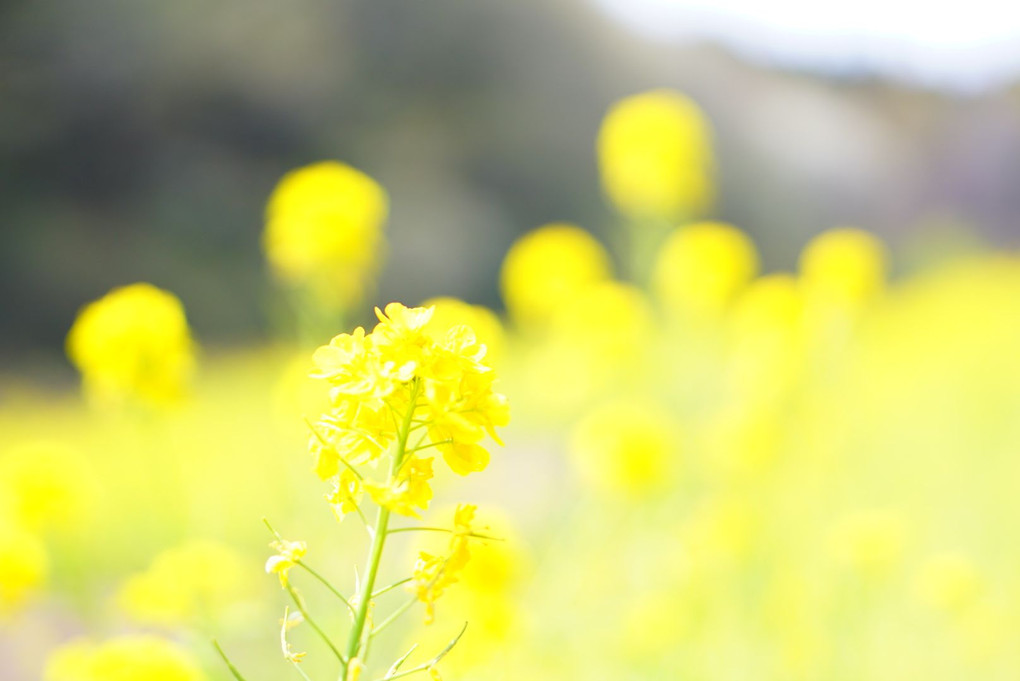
point(396, 613)
point(354, 642)
point(318, 630)
point(230, 665)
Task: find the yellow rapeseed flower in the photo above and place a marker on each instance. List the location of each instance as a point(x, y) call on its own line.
point(701, 267)
point(288, 555)
point(433, 574)
point(133, 343)
point(324, 231)
point(403, 371)
point(548, 267)
point(408, 490)
point(655, 156)
point(346, 494)
point(125, 658)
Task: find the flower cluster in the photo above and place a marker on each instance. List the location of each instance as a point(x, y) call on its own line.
point(402, 383)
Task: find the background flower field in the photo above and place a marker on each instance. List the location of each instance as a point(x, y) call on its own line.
point(758, 428)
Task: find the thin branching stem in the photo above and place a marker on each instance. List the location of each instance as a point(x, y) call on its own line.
point(426, 665)
point(419, 446)
point(473, 535)
point(230, 665)
point(323, 442)
point(329, 586)
point(391, 587)
point(304, 613)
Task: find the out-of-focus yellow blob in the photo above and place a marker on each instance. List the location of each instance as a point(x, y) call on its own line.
point(324, 231)
point(626, 447)
point(766, 349)
point(24, 566)
point(701, 267)
point(548, 267)
point(869, 541)
point(949, 582)
point(844, 266)
point(126, 658)
point(609, 319)
point(188, 582)
point(47, 486)
point(742, 442)
point(721, 531)
point(133, 343)
point(771, 304)
point(655, 156)
point(451, 312)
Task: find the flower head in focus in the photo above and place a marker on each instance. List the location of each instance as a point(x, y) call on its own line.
point(133, 344)
point(403, 384)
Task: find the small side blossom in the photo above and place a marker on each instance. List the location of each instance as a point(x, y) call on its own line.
point(289, 621)
point(433, 574)
point(346, 494)
point(289, 553)
point(408, 491)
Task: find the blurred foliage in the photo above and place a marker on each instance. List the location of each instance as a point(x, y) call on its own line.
point(138, 143)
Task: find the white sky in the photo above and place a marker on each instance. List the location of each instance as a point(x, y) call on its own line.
point(959, 44)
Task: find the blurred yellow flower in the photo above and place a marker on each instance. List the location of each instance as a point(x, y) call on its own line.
point(324, 231)
point(24, 565)
point(548, 267)
point(869, 541)
point(47, 485)
point(770, 305)
point(701, 267)
point(133, 343)
point(126, 658)
point(627, 447)
point(183, 584)
point(949, 582)
point(655, 156)
point(844, 266)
